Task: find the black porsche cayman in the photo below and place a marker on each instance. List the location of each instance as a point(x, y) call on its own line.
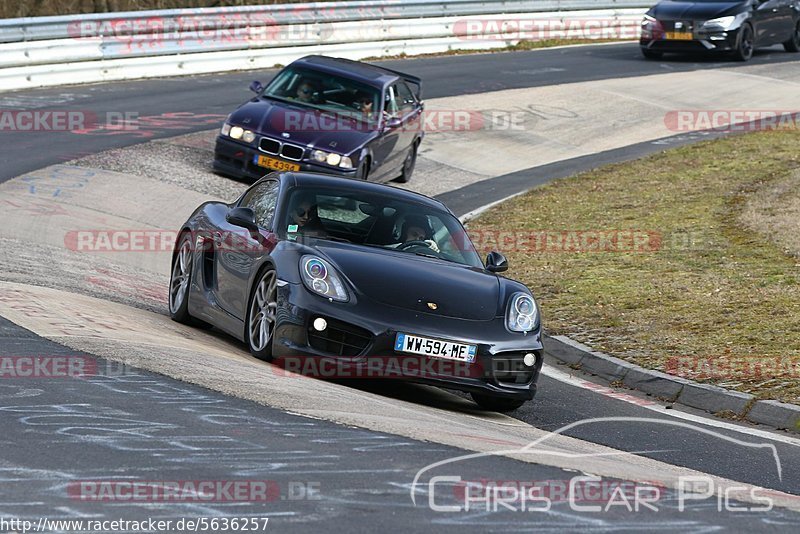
point(308, 268)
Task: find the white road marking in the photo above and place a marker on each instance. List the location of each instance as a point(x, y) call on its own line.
point(566, 378)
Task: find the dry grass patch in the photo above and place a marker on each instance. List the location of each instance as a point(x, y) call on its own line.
point(707, 297)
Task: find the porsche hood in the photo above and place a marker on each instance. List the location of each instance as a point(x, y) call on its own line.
point(408, 281)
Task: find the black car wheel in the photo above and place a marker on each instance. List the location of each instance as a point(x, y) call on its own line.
point(744, 50)
point(180, 281)
point(261, 315)
point(409, 164)
point(649, 54)
point(496, 404)
point(363, 170)
point(793, 44)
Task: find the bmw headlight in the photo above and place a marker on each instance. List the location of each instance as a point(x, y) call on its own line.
point(320, 277)
point(723, 24)
point(331, 158)
point(522, 314)
point(237, 132)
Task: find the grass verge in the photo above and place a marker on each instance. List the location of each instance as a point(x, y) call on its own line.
point(672, 262)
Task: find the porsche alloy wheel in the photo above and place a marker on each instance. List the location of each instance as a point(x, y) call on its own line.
point(262, 315)
point(180, 280)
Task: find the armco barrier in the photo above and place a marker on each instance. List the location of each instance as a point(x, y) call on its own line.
point(44, 51)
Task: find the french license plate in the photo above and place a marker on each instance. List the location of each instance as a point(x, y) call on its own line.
point(274, 163)
point(435, 348)
point(679, 36)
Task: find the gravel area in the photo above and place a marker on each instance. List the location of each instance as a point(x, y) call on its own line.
point(186, 161)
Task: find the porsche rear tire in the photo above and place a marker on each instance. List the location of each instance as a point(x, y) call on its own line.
point(496, 404)
point(262, 315)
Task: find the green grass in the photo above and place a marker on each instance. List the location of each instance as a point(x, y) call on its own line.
point(712, 293)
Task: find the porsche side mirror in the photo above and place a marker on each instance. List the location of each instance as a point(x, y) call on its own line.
point(496, 262)
point(244, 217)
point(256, 86)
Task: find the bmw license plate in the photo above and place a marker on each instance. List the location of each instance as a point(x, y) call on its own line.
point(436, 348)
point(274, 163)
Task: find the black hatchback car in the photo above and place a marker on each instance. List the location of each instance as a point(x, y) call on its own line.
point(326, 115)
point(736, 27)
point(338, 278)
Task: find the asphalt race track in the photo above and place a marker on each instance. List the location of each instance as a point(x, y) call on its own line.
point(129, 423)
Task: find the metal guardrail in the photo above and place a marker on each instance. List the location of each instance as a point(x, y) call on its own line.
point(97, 47)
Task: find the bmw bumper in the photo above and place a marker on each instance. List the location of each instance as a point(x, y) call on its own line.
point(239, 160)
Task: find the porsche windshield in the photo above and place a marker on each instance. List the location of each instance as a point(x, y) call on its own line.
point(376, 221)
point(327, 92)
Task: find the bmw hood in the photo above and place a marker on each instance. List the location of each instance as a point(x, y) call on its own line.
point(303, 126)
point(696, 10)
point(407, 281)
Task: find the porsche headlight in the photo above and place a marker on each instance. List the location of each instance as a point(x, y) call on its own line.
point(319, 277)
point(723, 24)
point(522, 314)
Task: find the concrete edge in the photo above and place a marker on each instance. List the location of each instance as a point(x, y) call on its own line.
point(710, 398)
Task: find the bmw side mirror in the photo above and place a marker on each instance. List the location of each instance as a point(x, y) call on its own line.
point(256, 86)
point(393, 123)
point(244, 217)
point(496, 262)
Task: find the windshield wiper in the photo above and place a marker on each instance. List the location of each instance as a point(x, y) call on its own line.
point(426, 255)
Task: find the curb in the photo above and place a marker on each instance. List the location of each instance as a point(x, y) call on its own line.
point(706, 397)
